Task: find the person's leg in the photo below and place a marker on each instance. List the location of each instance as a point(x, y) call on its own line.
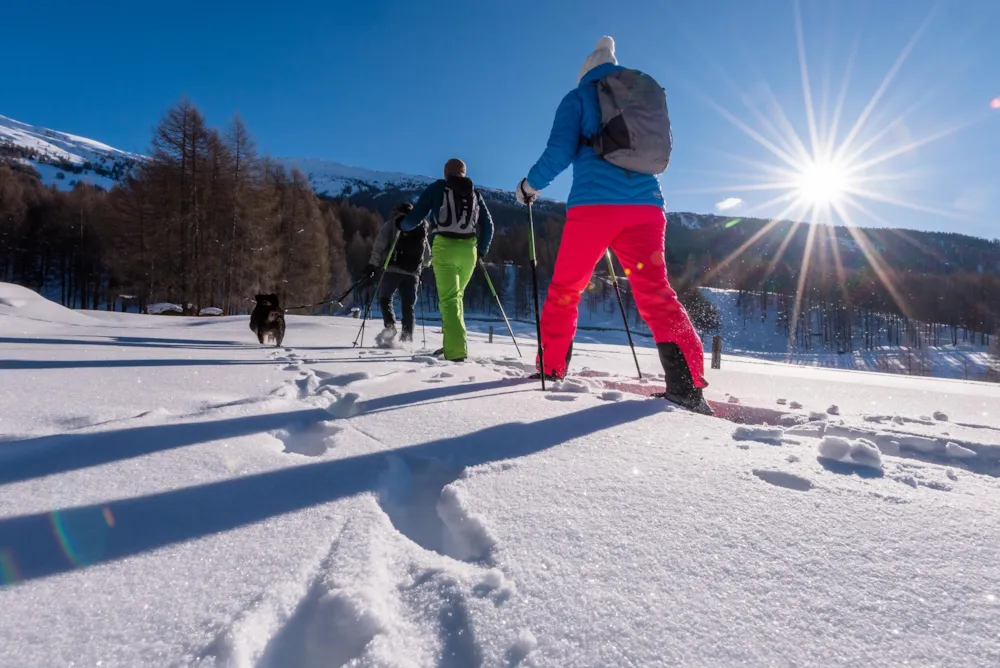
point(448, 263)
point(639, 247)
point(454, 260)
point(585, 237)
point(466, 267)
point(390, 281)
point(446, 281)
point(407, 300)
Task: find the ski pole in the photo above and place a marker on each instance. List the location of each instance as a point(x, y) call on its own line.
point(534, 281)
point(333, 301)
point(500, 306)
point(378, 286)
point(621, 305)
point(423, 321)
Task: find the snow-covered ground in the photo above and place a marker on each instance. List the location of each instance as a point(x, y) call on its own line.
point(173, 494)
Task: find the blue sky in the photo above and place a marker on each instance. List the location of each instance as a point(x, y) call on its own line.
point(404, 85)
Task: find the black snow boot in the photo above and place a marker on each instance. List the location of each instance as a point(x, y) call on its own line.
point(680, 386)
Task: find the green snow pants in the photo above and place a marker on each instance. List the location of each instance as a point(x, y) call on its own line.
point(454, 261)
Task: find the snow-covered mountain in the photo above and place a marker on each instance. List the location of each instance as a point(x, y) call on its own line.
point(334, 179)
point(63, 159)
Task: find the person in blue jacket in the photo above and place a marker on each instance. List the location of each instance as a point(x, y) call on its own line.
point(461, 230)
point(610, 207)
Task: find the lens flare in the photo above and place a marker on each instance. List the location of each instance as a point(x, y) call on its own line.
point(995, 103)
point(9, 572)
point(83, 534)
point(828, 170)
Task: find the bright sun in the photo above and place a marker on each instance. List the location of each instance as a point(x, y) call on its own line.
point(822, 182)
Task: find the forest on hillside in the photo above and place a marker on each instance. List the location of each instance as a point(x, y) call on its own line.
point(207, 221)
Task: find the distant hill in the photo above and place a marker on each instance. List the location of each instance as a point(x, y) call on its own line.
point(61, 160)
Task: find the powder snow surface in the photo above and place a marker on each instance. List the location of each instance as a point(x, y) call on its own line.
point(173, 494)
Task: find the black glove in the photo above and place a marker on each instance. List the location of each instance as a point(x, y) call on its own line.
point(369, 271)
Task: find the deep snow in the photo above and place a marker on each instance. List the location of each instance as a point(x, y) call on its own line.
point(171, 493)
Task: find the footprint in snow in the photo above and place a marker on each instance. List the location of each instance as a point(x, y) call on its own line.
point(342, 379)
point(311, 440)
point(345, 406)
point(560, 397)
point(784, 479)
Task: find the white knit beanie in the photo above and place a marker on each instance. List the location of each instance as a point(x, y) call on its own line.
point(603, 53)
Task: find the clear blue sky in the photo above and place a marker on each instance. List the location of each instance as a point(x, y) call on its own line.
point(402, 85)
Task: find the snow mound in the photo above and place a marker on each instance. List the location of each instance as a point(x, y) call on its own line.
point(211, 310)
point(940, 417)
point(163, 307)
point(959, 452)
point(859, 452)
point(571, 385)
point(20, 302)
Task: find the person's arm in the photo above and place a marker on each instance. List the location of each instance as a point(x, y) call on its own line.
point(563, 145)
point(485, 227)
point(425, 203)
point(381, 245)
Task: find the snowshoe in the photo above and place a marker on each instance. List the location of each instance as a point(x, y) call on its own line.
point(438, 353)
point(406, 337)
point(551, 377)
point(385, 338)
point(693, 401)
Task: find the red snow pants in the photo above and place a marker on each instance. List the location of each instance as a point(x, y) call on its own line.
point(636, 235)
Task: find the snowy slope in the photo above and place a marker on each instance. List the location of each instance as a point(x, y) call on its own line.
point(334, 179)
point(746, 330)
point(171, 494)
point(62, 159)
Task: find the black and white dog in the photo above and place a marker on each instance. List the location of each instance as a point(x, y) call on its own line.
point(268, 320)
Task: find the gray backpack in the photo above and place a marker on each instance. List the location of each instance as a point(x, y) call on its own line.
point(635, 126)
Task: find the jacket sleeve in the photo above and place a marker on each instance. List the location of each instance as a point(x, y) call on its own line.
point(564, 143)
point(485, 225)
point(382, 241)
point(425, 203)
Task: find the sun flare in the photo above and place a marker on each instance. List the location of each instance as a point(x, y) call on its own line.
point(822, 182)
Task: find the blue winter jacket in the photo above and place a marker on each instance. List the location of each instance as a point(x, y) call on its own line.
point(595, 181)
point(430, 202)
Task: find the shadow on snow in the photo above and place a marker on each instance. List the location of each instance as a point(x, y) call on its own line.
point(46, 544)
